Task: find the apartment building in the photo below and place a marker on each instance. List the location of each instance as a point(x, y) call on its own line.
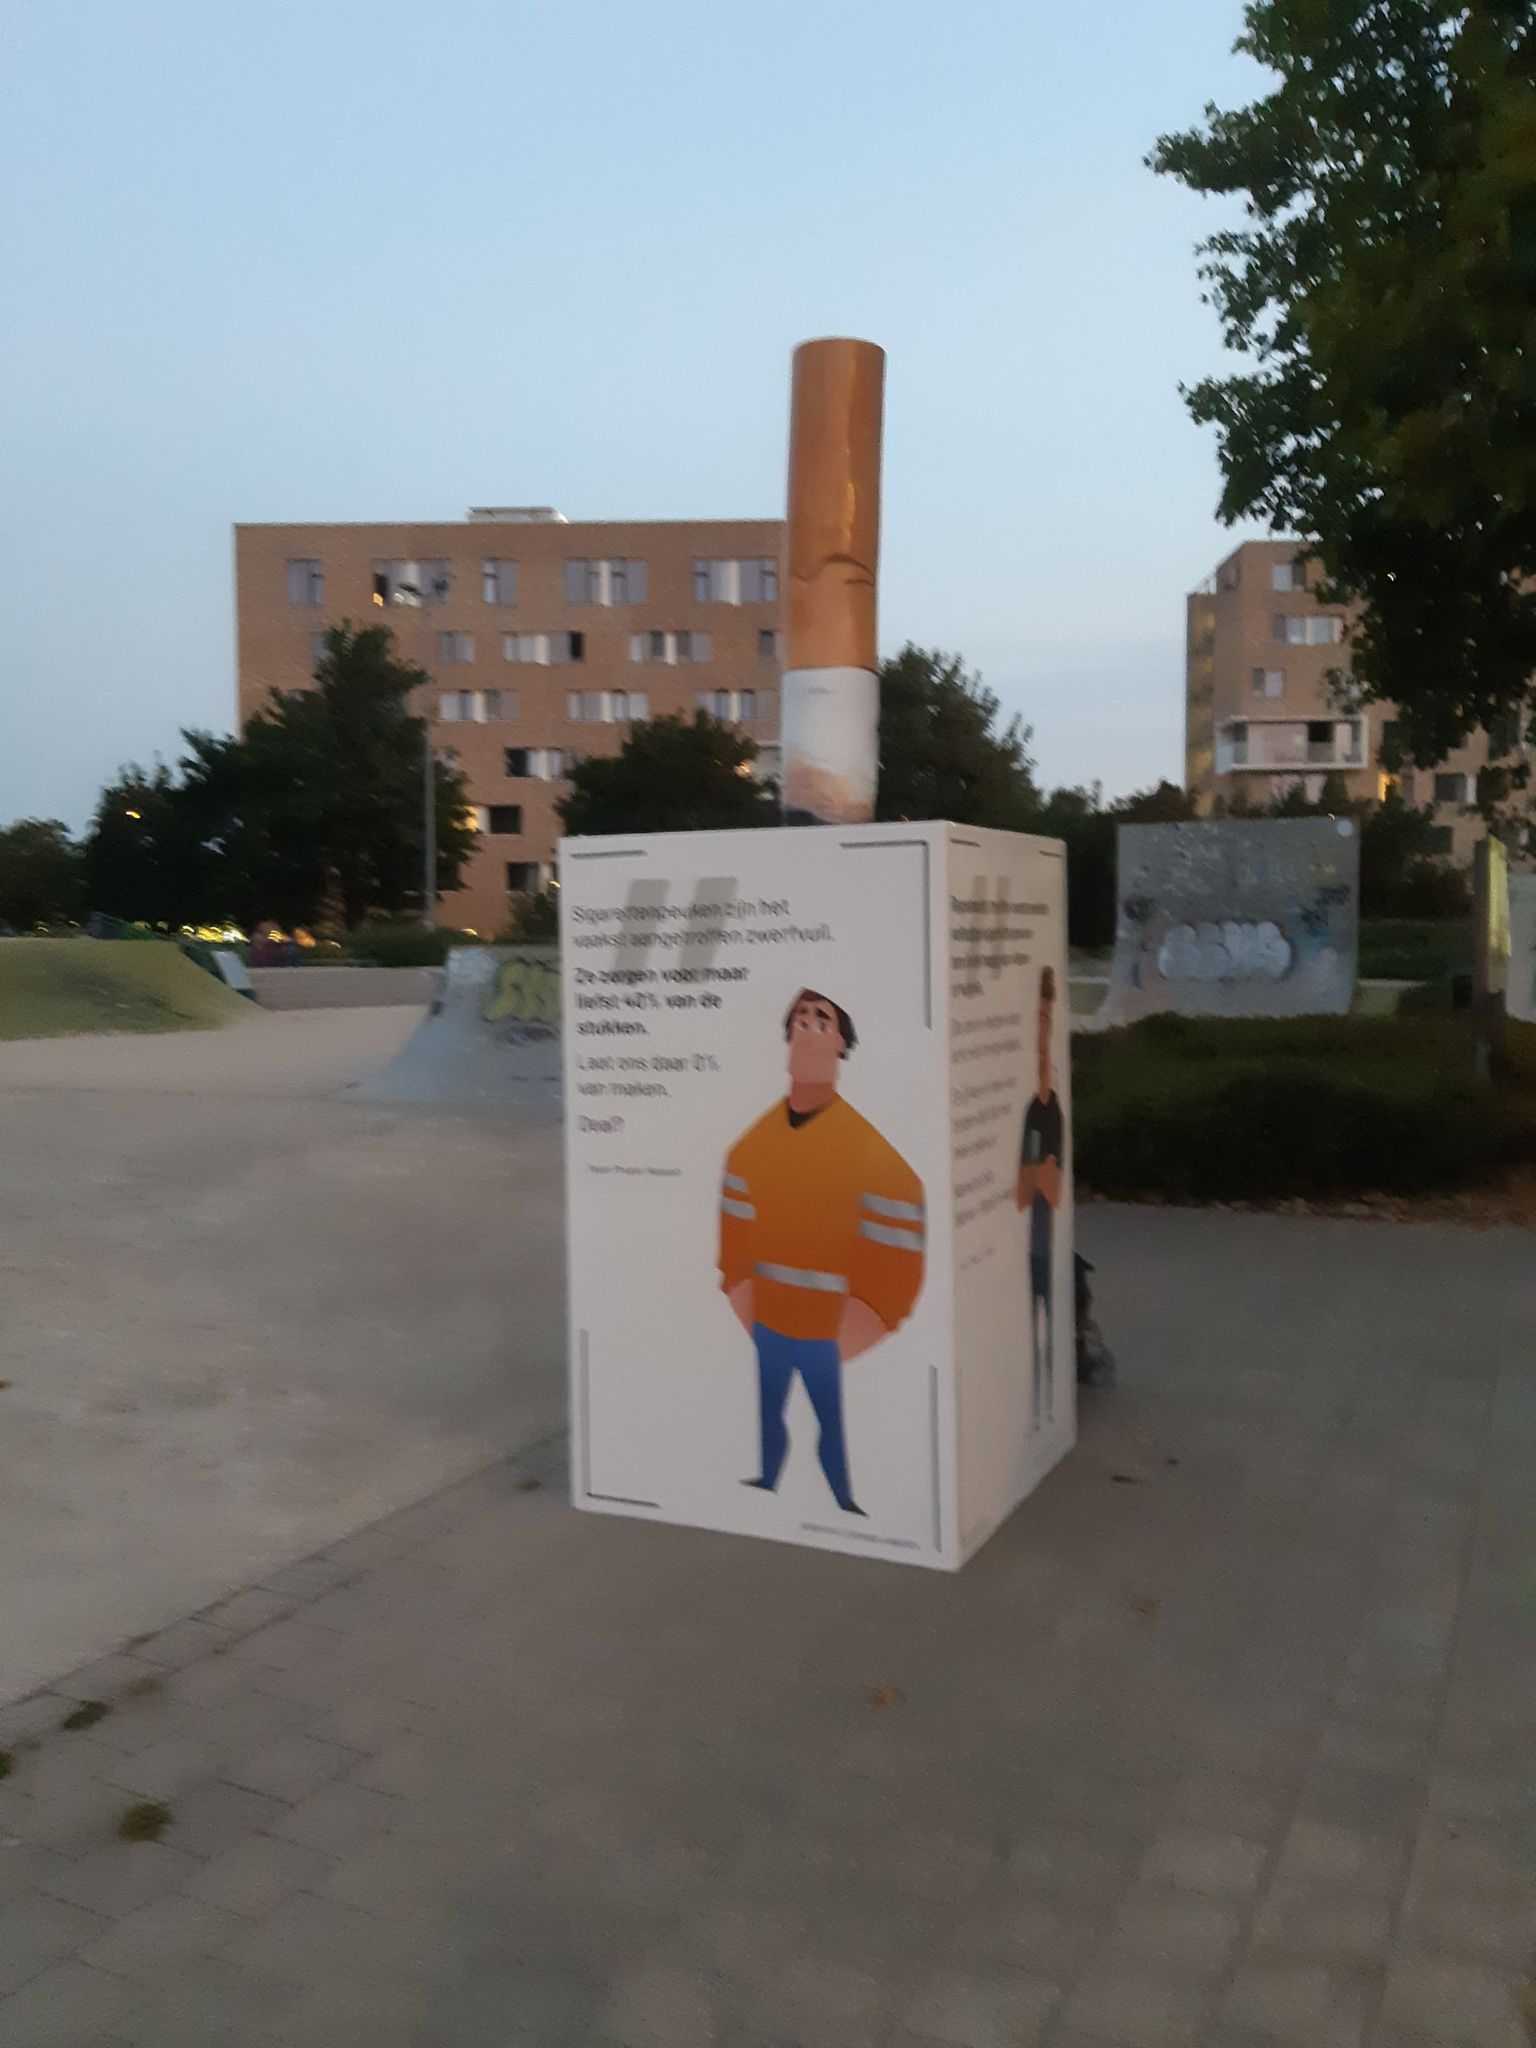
point(544, 639)
point(1258, 715)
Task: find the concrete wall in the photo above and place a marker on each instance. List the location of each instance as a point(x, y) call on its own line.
point(341, 988)
point(1236, 919)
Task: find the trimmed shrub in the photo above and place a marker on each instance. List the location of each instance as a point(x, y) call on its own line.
point(1200, 1110)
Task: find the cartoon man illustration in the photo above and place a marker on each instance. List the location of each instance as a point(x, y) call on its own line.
point(821, 1240)
point(1039, 1191)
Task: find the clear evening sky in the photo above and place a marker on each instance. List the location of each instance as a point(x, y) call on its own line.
point(342, 261)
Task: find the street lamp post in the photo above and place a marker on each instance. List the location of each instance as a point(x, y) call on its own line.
point(407, 589)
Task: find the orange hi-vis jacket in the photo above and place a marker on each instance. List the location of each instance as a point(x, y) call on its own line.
point(816, 1215)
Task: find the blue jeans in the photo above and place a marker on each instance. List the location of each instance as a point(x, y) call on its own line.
point(821, 1373)
point(1040, 1297)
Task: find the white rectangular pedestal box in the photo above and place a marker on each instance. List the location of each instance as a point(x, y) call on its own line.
point(819, 1189)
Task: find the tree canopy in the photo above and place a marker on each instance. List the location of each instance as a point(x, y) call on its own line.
point(318, 804)
point(1382, 290)
point(671, 775)
point(40, 874)
point(942, 752)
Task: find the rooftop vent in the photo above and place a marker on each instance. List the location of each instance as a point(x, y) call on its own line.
point(516, 515)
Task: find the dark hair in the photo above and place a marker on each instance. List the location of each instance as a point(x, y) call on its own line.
point(844, 1021)
point(1047, 984)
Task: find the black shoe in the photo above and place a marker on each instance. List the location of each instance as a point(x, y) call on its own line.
point(762, 1485)
point(851, 1507)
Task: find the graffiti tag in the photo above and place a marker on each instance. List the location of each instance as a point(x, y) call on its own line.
point(525, 994)
point(1231, 951)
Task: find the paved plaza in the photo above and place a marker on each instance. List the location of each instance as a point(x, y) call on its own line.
point(1224, 1739)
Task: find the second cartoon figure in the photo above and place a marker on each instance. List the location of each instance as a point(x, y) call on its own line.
point(821, 1240)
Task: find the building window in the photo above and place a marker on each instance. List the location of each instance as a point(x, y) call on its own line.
point(752, 581)
point(498, 582)
point(767, 643)
point(534, 764)
point(671, 647)
point(1308, 629)
point(1229, 574)
point(1453, 788)
point(607, 707)
point(522, 877)
point(306, 583)
point(411, 583)
point(1237, 736)
point(1504, 735)
point(1269, 682)
point(543, 649)
point(507, 819)
point(477, 817)
point(455, 648)
point(730, 706)
point(1288, 576)
point(1440, 839)
point(319, 646)
point(611, 580)
point(476, 707)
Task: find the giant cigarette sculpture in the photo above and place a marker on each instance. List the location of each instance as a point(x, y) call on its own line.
point(831, 698)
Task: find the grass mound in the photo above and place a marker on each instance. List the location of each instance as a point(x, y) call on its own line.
point(53, 988)
point(1238, 1110)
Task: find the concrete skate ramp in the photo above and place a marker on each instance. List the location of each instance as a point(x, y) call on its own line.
point(491, 1038)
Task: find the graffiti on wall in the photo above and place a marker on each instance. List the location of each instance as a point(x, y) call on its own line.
point(1236, 917)
point(523, 997)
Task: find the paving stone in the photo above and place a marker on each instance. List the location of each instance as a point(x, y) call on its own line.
point(38, 1714)
point(252, 1609)
point(370, 1723)
point(1040, 1934)
point(1451, 1997)
point(291, 1767)
point(108, 1677)
point(161, 1934)
point(1214, 1802)
point(1322, 1924)
point(123, 1876)
point(1183, 1932)
point(656, 2006)
point(64, 2007)
point(255, 1876)
point(26, 1867)
point(215, 1816)
point(307, 1579)
point(1495, 1930)
point(284, 1645)
point(1141, 2007)
point(161, 1770)
point(1070, 1864)
point(820, 2002)
point(338, 1817)
point(180, 1644)
point(1305, 2003)
point(209, 2002)
point(36, 1931)
point(1199, 1861)
point(1316, 1852)
point(993, 2009)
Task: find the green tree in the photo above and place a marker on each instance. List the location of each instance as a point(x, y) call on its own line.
point(319, 802)
point(132, 865)
point(1382, 290)
point(942, 752)
point(41, 874)
point(337, 773)
point(670, 775)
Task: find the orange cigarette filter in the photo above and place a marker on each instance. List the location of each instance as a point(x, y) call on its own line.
point(833, 543)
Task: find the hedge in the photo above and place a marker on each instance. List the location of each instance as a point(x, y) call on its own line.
point(1209, 1110)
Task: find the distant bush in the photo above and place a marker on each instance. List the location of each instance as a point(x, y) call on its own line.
point(1206, 1110)
point(535, 919)
point(399, 944)
point(1415, 949)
